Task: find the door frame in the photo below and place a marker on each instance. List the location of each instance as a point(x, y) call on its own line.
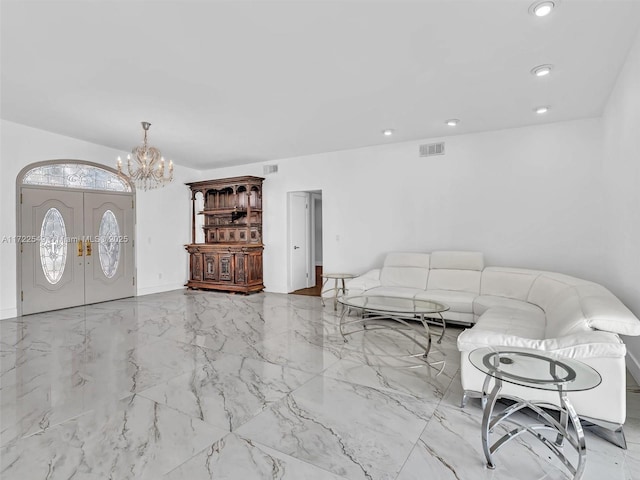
point(315, 196)
point(290, 224)
point(311, 196)
point(19, 231)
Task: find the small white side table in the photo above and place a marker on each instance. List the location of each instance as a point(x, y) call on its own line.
point(337, 287)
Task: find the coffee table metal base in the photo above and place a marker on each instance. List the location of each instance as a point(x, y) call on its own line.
point(440, 322)
point(385, 321)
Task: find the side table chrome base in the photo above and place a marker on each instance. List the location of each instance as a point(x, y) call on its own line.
point(337, 290)
point(567, 413)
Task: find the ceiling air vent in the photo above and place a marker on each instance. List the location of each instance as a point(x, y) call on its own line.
point(430, 149)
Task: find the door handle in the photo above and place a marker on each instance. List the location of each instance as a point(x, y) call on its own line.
point(295, 247)
point(88, 248)
point(80, 248)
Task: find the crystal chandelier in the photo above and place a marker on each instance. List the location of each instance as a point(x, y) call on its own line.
point(148, 172)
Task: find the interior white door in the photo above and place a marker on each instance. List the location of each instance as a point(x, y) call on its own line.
point(298, 240)
point(109, 262)
point(52, 255)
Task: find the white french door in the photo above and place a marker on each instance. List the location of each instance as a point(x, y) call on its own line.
point(109, 270)
point(52, 266)
point(76, 248)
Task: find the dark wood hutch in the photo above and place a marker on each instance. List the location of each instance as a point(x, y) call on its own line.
point(231, 257)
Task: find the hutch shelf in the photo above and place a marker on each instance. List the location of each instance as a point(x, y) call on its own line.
point(231, 257)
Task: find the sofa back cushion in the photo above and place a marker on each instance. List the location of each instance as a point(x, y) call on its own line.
point(574, 305)
point(604, 311)
point(459, 271)
point(405, 270)
point(514, 283)
point(546, 288)
point(564, 315)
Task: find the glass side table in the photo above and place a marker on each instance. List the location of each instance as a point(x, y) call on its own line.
point(337, 287)
point(539, 370)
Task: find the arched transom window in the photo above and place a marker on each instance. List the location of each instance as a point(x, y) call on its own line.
point(75, 175)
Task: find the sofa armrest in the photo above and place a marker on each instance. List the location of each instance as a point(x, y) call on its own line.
point(577, 345)
point(587, 345)
point(364, 282)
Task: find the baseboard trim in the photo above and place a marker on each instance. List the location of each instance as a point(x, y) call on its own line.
point(8, 313)
point(633, 365)
point(159, 289)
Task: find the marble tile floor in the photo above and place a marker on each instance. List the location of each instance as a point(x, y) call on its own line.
point(201, 385)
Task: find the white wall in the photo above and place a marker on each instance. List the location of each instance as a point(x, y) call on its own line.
point(621, 173)
point(526, 197)
point(162, 215)
point(530, 197)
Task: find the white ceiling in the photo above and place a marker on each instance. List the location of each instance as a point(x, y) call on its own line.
point(238, 82)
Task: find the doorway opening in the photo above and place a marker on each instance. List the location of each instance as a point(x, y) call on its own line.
point(75, 225)
point(305, 242)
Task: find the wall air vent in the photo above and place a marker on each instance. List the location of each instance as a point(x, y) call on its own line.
point(269, 169)
point(430, 149)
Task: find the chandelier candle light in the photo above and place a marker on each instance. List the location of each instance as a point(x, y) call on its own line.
point(149, 170)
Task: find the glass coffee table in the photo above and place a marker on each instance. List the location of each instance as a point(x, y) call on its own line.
point(538, 370)
point(393, 313)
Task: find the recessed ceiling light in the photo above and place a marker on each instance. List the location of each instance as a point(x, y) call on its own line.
point(541, 70)
point(388, 132)
point(541, 110)
point(542, 9)
point(452, 122)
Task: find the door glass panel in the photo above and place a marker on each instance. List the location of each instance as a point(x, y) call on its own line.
point(109, 251)
point(53, 245)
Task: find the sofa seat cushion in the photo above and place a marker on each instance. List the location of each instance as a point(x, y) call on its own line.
point(385, 291)
point(460, 302)
point(482, 303)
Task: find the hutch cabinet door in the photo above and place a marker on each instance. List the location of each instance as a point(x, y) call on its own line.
point(226, 267)
point(255, 267)
point(196, 266)
point(210, 266)
point(241, 275)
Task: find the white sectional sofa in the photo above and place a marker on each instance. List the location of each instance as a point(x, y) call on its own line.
point(449, 277)
point(516, 307)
